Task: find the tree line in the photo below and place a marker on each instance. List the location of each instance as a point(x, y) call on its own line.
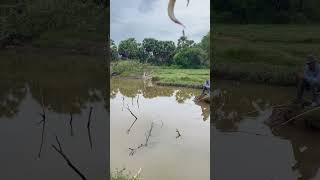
point(186, 53)
point(266, 11)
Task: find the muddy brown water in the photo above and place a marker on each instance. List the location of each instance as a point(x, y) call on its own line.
point(68, 84)
point(168, 108)
point(245, 148)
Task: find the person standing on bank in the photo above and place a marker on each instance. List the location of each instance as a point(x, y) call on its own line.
point(309, 80)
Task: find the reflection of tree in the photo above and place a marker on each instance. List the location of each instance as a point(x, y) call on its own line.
point(67, 95)
point(12, 91)
point(183, 95)
point(205, 107)
point(67, 83)
point(131, 88)
point(236, 100)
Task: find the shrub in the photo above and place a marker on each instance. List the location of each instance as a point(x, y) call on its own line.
point(190, 58)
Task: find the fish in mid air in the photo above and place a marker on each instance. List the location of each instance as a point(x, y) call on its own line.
point(171, 12)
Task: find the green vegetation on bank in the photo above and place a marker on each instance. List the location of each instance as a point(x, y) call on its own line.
point(263, 53)
point(183, 64)
point(121, 175)
point(165, 75)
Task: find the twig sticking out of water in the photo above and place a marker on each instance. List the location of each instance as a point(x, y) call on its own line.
point(138, 101)
point(89, 125)
point(122, 103)
point(43, 122)
point(60, 151)
point(148, 135)
point(70, 123)
point(178, 133)
point(134, 150)
point(131, 112)
point(128, 131)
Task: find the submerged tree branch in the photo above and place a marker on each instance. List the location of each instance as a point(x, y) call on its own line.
point(60, 151)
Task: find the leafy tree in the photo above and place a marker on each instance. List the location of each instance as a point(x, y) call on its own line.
point(205, 46)
point(190, 58)
point(129, 49)
point(114, 51)
point(184, 42)
point(164, 51)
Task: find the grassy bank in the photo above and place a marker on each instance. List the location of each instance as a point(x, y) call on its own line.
point(263, 53)
point(162, 75)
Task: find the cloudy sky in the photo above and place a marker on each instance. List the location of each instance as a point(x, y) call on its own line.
point(148, 18)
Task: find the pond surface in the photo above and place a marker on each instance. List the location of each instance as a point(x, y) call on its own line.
point(61, 86)
point(245, 148)
point(161, 112)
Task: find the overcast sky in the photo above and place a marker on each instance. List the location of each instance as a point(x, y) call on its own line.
point(148, 18)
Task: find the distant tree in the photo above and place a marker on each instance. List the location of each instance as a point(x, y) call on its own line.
point(184, 42)
point(205, 46)
point(164, 51)
point(129, 48)
point(114, 51)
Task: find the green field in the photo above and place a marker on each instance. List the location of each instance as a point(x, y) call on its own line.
point(181, 77)
point(263, 53)
point(165, 75)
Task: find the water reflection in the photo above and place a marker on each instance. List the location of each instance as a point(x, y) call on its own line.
point(134, 88)
point(151, 123)
point(294, 147)
point(45, 96)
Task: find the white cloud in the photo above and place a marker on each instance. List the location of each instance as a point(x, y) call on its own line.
point(148, 18)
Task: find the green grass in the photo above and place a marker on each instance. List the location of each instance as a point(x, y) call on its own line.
point(130, 68)
point(263, 53)
point(121, 175)
point(161, 74)
point(180, 76)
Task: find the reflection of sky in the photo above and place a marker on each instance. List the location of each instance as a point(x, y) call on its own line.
point(148, 18)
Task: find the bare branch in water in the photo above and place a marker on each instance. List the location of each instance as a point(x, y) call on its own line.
point(131, 112)
point(43, 122)
point(70, 123)
point(88, 127)
point(60, 151)
point(138, 101)
point(178, 133)
point(149, 134)
point(128, 131)
point(122, 103)
point(134, 150)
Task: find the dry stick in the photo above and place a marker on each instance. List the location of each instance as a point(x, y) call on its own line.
point(134, 150)
point(131, 112)
point(122, 103)
point(43, 121)
point(295, 117)
point(149, 134)
point(71, 127)
point(138, 101)
point(60, 151)
point(88, 127)
point(178, 133)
